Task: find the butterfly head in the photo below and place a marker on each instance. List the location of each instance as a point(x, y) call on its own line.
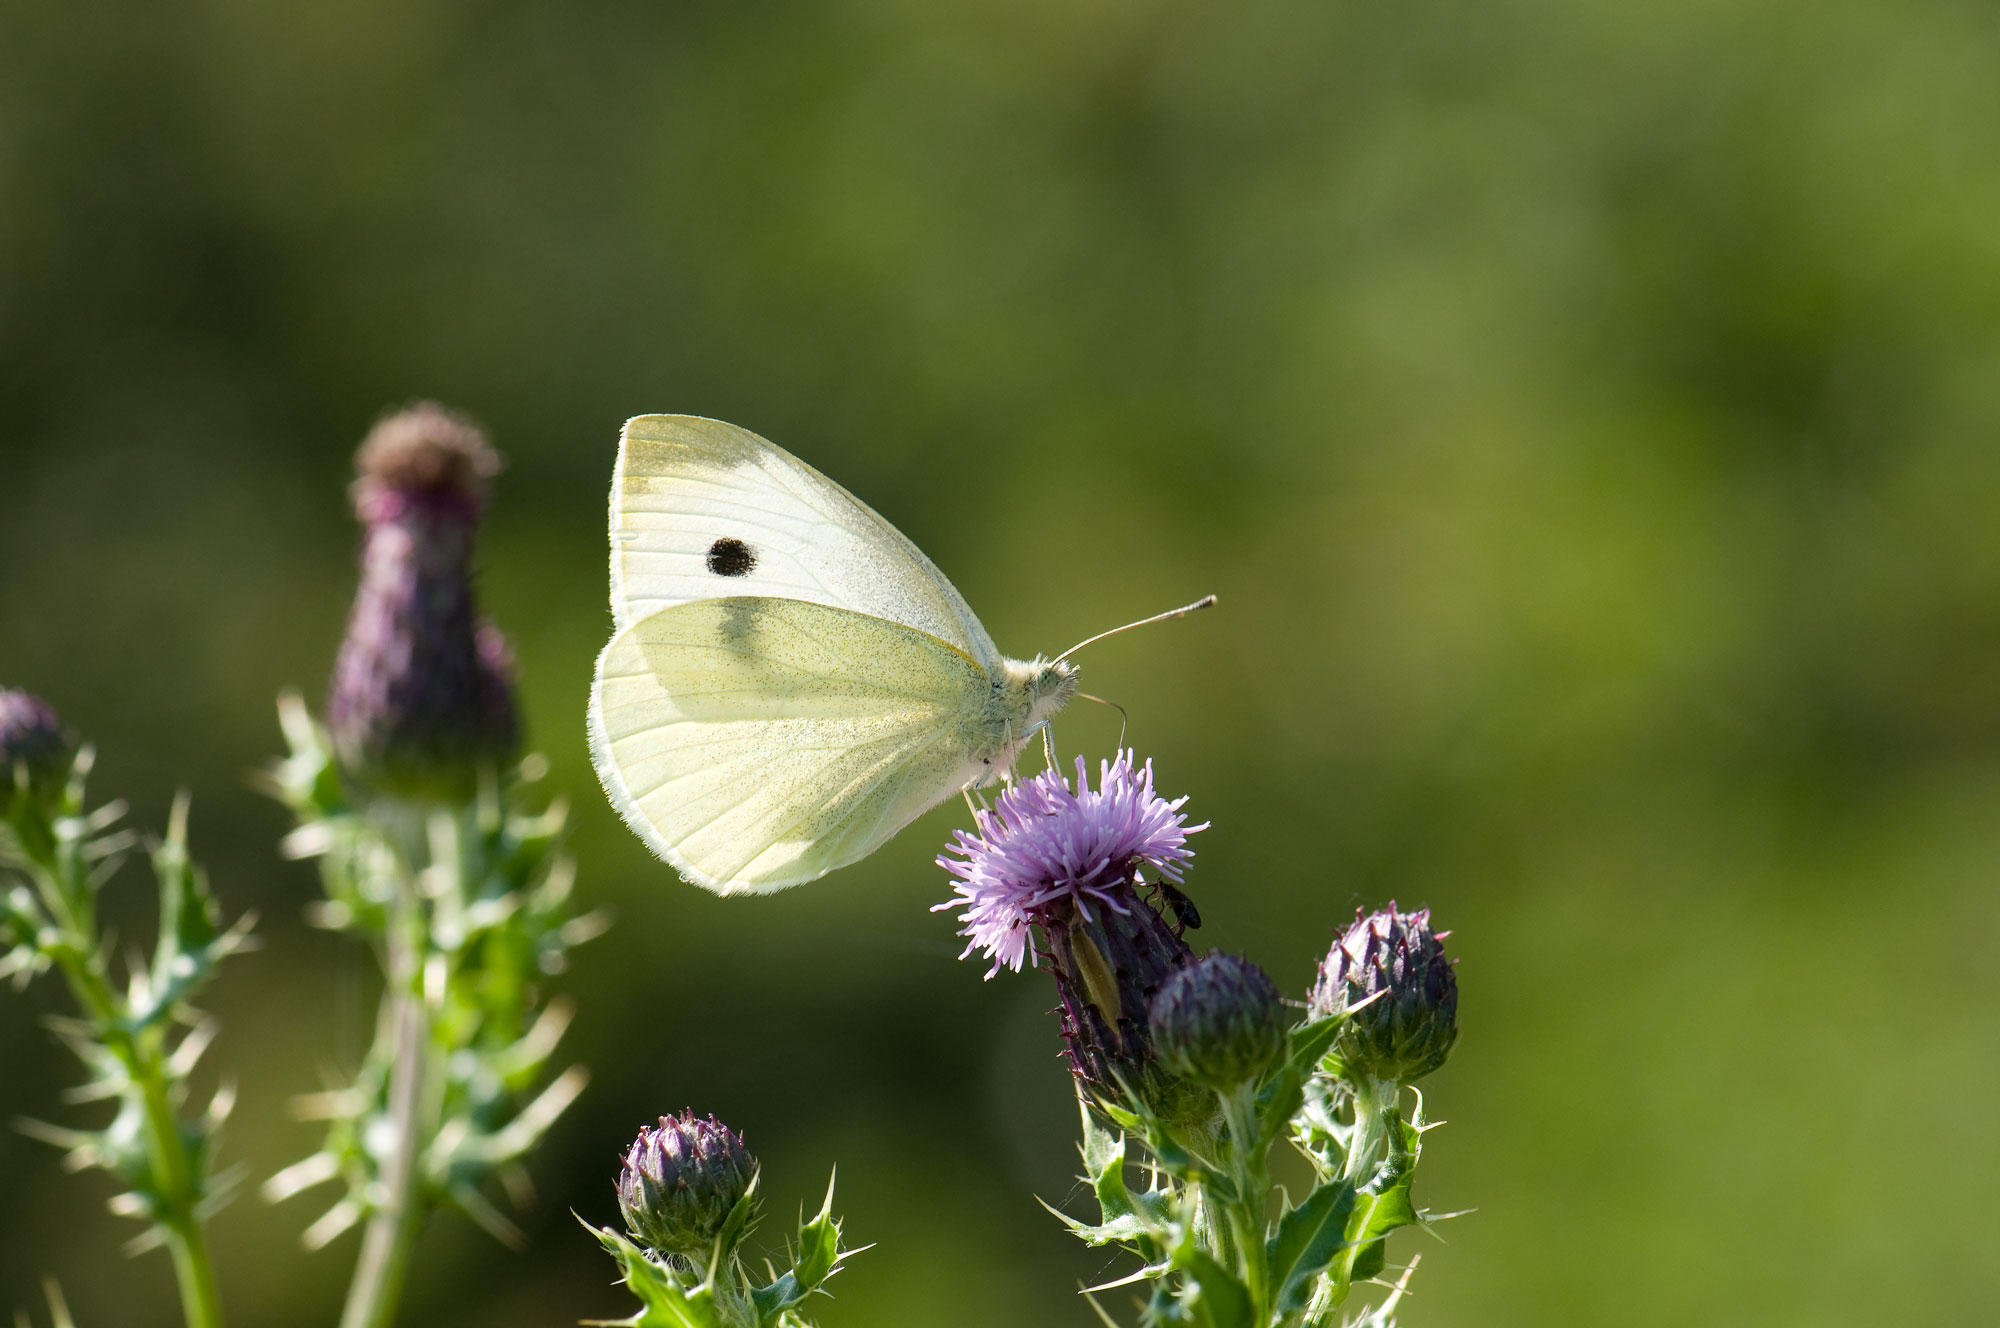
point(1029, 693)
point(1051, 683)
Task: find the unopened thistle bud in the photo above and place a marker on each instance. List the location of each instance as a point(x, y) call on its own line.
point(681, 1181)
point(1408, 1030)
point(1219, 1021)
point(35, 752)
point(422, 695)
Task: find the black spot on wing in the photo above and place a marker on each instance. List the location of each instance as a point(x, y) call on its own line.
point(731, 557)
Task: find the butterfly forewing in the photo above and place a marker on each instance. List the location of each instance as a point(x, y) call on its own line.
point(701, 509)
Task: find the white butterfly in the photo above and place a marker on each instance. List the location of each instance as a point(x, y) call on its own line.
point(792, 681)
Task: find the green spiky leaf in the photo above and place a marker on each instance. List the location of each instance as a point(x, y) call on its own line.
point(666, 1303)
point(819, 1257)
point(1308, 1044)
point(1306, 1242)
point(1279, 1098)
point(1214, 1298)
point(1125, 1230)
point(819, 1245)
point(1382, 1206)
point(1104, 1163)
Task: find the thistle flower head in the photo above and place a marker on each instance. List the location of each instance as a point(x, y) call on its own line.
point(1067, 863)
point(35, 751)
point(681, 1181)
point(1047, 851)
point(1219, 1021)
point(422, 692)
point(1408, 1029)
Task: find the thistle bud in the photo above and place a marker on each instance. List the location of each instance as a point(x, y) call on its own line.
point(681, 1182)
point(422, 694)
point(1408, 1030)
point(35, 752)
point(1219, 1021)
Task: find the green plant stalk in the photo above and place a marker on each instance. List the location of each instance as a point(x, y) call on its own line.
point(391, 1235)
point(1376, 1143)
point(1250, 1177)
point(201, 1305)
point(1376, 1116)
point(67, 895)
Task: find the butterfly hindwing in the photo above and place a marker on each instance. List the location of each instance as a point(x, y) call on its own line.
point(758, 742)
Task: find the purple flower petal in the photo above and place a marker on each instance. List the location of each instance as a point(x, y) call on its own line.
point(1044, 846)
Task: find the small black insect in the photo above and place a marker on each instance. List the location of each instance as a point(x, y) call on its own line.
point(1183, 907)
point(731, 557)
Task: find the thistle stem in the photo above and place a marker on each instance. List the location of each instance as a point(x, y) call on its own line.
point(201, 1307)
point(1375, 1144)
point(1376, 1116)
point(1251, 1179)
point(391, 1234)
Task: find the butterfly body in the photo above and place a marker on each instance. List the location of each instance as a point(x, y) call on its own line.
point(791, 680)
point(1019, 702)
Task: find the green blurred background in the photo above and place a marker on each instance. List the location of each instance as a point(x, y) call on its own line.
point(1587, 414)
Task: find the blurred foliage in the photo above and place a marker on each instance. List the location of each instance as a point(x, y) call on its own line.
point(1587, 414)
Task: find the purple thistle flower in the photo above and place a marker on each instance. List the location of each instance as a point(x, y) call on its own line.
point(1065, 863)
point(422, 692)
point(1046, 852)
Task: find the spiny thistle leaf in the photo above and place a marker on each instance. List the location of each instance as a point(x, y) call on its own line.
point(666, 1303)
point(1215, 1298)
point(1307, 1239)
point(817, 1259)
point(1104, 1157)
point(129, 1036)
point(1383, 1205)
point(819, 1245)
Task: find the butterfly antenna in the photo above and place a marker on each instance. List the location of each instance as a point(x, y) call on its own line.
point(1206, 601)
point(1123, 718)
